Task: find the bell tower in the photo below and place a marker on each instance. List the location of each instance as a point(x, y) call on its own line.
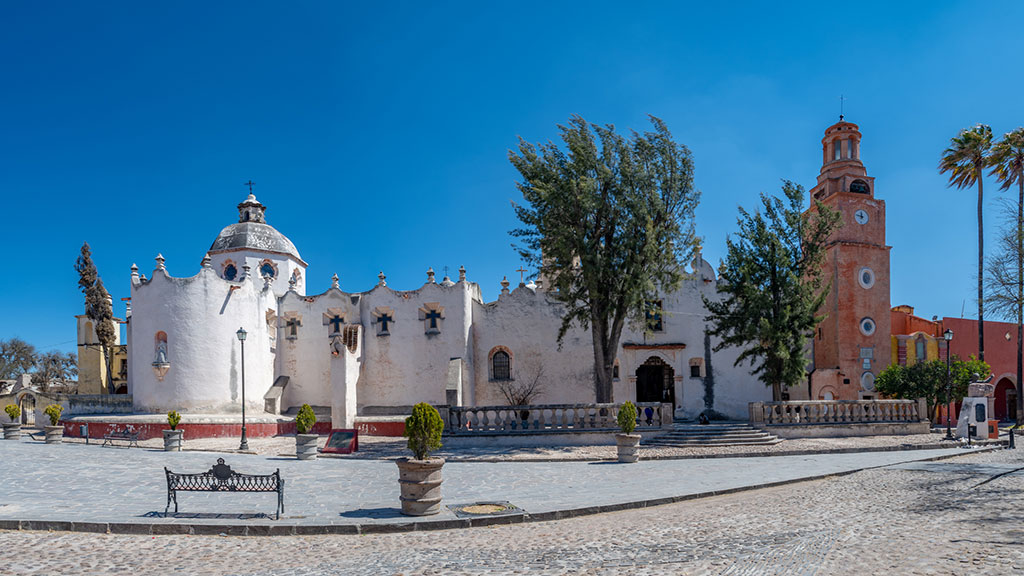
point(852, 344)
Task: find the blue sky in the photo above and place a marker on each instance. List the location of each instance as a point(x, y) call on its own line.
point(377, 133)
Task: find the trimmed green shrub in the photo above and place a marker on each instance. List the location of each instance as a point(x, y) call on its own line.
point(173, 419)
point(423, 429)
point(627, 417)
point(53, 411)
point(13, 412)
point(305, 419)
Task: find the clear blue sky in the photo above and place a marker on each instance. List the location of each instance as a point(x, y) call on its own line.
point(377, 133)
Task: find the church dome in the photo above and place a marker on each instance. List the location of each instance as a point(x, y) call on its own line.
point(253, 233)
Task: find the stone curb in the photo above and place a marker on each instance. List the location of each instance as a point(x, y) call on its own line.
point(151, 528)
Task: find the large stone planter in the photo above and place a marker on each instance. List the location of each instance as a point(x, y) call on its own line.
point(305, 446)
point(54, 434)
point(12, 431)
point(420, 481)
point(628, 447)
point(173, 440)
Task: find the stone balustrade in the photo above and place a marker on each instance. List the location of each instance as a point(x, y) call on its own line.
point(837, 412)
point(550, 418)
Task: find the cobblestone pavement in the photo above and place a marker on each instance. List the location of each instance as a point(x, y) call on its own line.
point(959, 516)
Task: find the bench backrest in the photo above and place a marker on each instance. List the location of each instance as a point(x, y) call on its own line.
point(222, 478)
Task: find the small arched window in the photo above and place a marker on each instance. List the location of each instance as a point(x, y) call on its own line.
point(230, 271)
point(859, 186)
point(501, 366)
point(920, 349)
point(267, 269)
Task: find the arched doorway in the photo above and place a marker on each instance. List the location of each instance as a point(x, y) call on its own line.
point(655, 382)
point(1006, 400)
point(27, 403)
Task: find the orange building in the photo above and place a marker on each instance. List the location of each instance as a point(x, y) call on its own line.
point(853, 344)
point(915, 339)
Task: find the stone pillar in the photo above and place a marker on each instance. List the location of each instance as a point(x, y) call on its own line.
point(453, 388)
point(756, 413)
point(344, 376)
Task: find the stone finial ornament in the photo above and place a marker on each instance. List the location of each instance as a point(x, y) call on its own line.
point(382, 279)
point(291, 283)
point(462, 273)
point(245, 269)
point(267, 281)
point(160, 262)
point(334, 282)
point(430, 275)
point(206, 261)
point(135, 273)
point(504, 284)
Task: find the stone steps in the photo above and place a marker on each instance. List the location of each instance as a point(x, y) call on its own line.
point(728, 434)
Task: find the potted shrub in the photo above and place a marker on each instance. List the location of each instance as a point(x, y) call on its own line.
point(305, 443)
point(173, 437)
point(54, 432)
point(628, 444)
point(12, 431)
point(420, 476)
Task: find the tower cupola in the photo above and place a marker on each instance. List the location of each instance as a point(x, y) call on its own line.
point(841, 167)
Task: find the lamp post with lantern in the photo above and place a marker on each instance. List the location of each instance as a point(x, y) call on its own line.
point(241, 338)
point(948, 337)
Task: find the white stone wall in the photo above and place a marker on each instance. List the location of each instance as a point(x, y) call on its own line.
point(285, 265)
point(200, 316)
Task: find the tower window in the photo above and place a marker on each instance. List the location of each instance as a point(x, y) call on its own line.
point(267, 269)
point(859, 186)
point(230, 271)
point(837, 149)
point(500, 366)
point(867, 326)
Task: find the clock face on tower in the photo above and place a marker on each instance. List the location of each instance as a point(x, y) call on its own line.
point(861, 217)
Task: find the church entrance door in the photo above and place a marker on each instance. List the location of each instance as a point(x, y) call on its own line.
point(655, 382)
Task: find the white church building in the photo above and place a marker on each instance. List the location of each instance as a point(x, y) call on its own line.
point(381, 351)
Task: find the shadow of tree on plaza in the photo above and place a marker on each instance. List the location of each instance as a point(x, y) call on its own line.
point(377, 513)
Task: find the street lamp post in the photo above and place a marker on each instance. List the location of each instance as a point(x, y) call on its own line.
point(241, 338)
point(948, 337)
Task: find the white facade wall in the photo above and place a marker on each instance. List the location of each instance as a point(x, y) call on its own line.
point(200, 316)
point(285, 265)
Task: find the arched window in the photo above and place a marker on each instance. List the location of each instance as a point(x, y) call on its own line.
point(230, 270)
point(267, 269)
point(859, 186)
point(501, 367)
point(920, 349)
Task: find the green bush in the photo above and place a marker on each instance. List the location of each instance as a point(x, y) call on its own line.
point(53, 411)
point(13, 412)
point(627, 417)
point(173, 419)
point(305, 419)
point(423, 429)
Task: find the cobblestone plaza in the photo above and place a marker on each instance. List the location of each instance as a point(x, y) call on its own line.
point(900, 514)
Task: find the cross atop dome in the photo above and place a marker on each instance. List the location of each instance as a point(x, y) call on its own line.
point(251, 210)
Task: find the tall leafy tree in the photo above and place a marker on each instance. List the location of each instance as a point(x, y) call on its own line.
point(608, 222)
point(98, 308)
point(1007, 162)
point(965, 161)
point(931, 380)
point(16, 357)
point(771, 286)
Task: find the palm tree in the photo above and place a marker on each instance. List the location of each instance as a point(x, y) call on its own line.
point(965, 159)
point(1007, 162)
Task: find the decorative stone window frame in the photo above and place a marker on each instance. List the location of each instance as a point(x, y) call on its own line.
point(267, 262)
point(161, 355)
point(432, 313)
point(334, 328)
point(698, 363)
point(224, 270)
point(867, 381)
point(869, 330)
point(288, 320)
point(490, 364)
point(866, 284)
point(383, 328)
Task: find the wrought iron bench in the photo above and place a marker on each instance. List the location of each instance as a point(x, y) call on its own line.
point(132, 438)
point(221, 478)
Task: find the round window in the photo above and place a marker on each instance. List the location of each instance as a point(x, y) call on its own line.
point(867, 381)
point(866, 277)
point(867, 326)
point(230, 272)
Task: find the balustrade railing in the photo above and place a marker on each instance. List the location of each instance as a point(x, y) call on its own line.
point(551, 418)
point(837, 412)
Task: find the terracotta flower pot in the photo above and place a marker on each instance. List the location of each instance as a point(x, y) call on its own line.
point(305, 446)
point(420, 482)
point(628, 447)
point(173, 440)
point(12, 431)
point(54, 434)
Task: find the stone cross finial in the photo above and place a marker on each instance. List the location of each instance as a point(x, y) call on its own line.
point(206, 261)
point(334, 281)
point(382, 279)
point(462, 273)
point(504, 285)
point(160, 262)
point(430, 275)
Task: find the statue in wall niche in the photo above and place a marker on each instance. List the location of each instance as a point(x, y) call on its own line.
point(161, 353)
